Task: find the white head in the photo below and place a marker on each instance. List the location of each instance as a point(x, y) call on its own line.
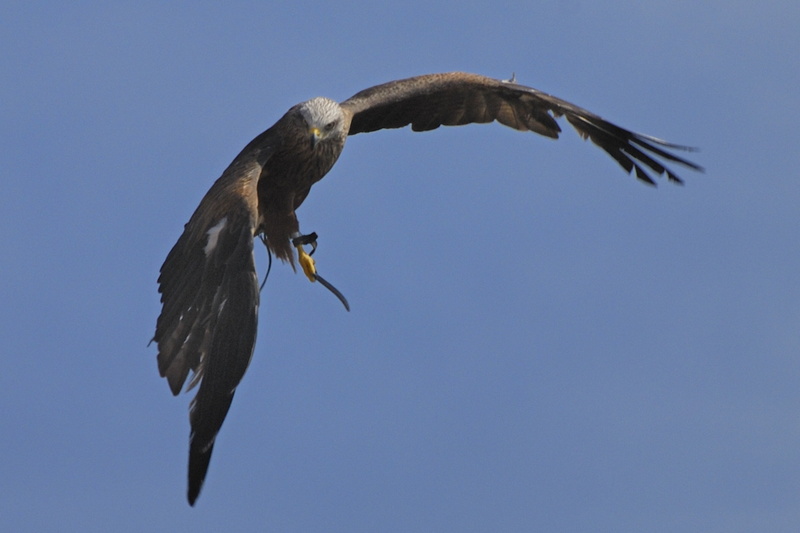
point(324, 118)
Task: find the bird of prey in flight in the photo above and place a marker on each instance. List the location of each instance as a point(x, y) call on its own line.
point(208, 282)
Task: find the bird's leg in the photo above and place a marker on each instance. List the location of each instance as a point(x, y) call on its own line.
point(305, 260)
point(309, 268)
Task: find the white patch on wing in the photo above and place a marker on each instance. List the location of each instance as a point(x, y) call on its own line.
point(213, 235)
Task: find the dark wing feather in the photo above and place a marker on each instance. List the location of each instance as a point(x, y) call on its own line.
point(231, 334)
point(456, 98)
point(452, 99)
point(210, 299)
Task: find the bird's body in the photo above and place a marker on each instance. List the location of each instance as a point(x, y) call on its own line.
point(297, 162)
point(208, 282)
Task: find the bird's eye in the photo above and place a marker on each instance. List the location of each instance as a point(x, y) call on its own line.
point(330, 125)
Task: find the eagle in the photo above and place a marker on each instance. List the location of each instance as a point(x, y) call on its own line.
point(208, 282)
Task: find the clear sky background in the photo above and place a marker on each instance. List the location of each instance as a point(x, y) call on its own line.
point(537, 341)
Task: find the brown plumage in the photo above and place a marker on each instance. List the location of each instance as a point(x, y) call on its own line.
point(208, 283)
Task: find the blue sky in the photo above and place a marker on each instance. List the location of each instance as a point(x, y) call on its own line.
point(537, 341)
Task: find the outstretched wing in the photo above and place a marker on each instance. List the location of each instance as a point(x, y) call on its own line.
point(457, 98)
point(209, 291)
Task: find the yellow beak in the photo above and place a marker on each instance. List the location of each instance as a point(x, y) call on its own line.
point(316, 135)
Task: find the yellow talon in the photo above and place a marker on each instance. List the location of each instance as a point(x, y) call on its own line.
point(307, 263)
